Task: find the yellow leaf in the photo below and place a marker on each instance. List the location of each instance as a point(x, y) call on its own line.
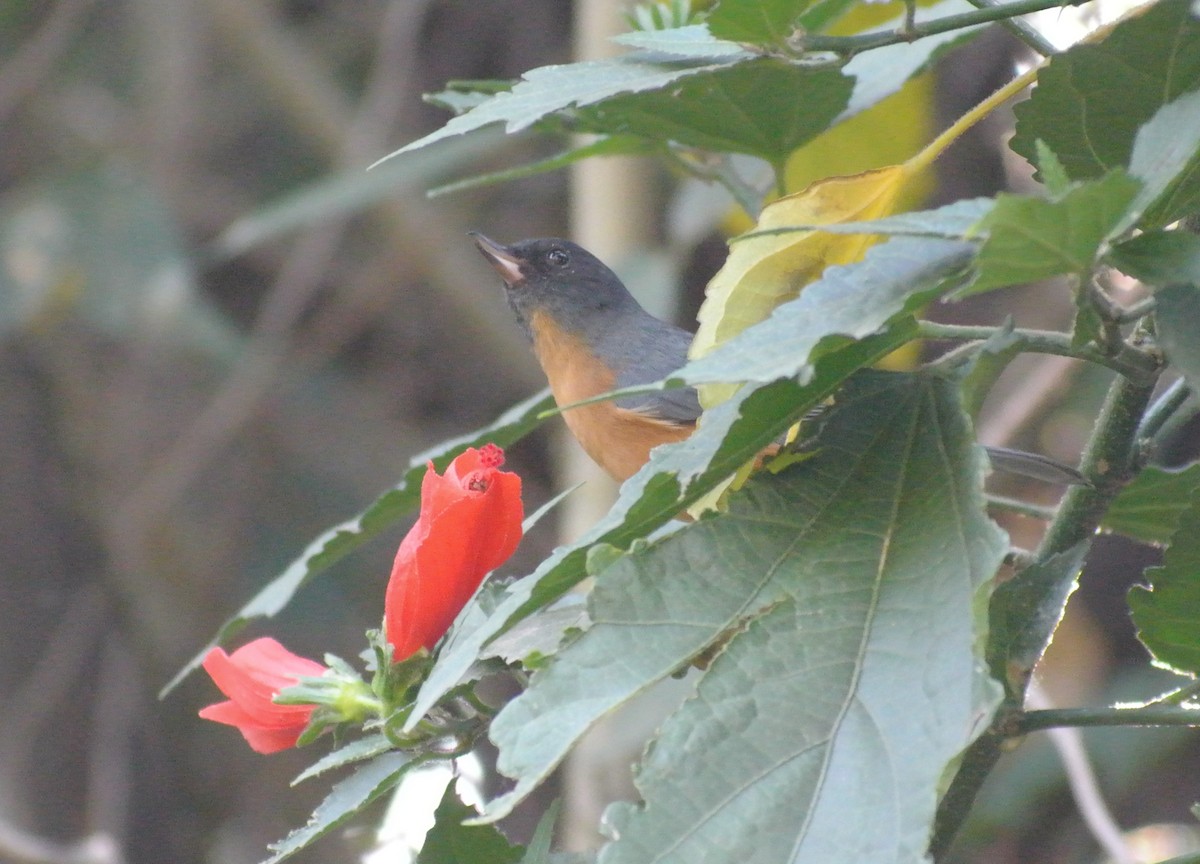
point(763, 271)
point(887, 133)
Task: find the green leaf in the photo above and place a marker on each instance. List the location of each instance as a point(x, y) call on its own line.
point(451, 842)
point(461, 95)
point(847, 302)
point(759, 22)
point(1024, 613)
point(882, 71)
point(988, 363)
point(693, 42)
point(335, 543)
point(538, 850)
point(538, 636)
point(1167, 612)
point(609, 146)
point(676, 476)
point(1035, 238)
point(1176, 319)
point(811, 705)
point(1159, 257)
point(1166, 158)
point(356, 751)
point(348, 192)
point(1053, 175)
point(765, 108)
point(957, 221)
point(346, 799)
point(1092, 99)
point(548, 89)
point(1148, 509)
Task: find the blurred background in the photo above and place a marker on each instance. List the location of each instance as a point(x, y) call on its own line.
point(219, 336)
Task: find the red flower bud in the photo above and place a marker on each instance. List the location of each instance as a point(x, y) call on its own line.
point(251, 677)
point(470, 524)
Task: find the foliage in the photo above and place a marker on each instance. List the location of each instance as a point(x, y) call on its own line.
point(859, 653)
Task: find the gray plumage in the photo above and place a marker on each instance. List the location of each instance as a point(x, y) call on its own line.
point(587, 298)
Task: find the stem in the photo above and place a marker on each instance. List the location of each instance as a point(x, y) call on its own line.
point(1023, 30)
point(1106, 462)
point(1136, 311)
point(1129, 361)
point(1110, 313)
point(977, 763)
point(853, 44)
point(1032, 721)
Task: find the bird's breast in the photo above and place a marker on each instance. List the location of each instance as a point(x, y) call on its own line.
point(617, 439)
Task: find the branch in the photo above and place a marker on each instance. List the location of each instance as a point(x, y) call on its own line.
point(850, 45)
point(1127, 360)
point(1023, 30)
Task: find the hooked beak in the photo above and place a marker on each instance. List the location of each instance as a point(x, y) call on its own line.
point(501, 258)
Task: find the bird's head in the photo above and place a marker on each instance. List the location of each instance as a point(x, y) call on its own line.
point(559, 278)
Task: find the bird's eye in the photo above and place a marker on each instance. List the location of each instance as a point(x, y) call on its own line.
point(558, 257)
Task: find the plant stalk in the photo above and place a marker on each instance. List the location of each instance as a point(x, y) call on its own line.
point(1107, 462)
point(1158, 715)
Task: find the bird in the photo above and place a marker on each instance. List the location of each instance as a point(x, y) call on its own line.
point(591, 336)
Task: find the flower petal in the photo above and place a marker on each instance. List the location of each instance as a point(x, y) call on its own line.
point(251, 677)
point(470, 523)
point(263, 739)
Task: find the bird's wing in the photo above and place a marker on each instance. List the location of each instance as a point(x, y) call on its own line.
point(679, 407)
point(661, 352)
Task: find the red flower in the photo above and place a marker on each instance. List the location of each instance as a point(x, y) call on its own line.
point(470, 524)
point(251, 677)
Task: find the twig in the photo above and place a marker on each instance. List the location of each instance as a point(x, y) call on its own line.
point(850, 45)
point(1022, 29)
point(1127, 360)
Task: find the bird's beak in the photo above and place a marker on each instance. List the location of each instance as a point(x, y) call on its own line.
point(501, 258)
